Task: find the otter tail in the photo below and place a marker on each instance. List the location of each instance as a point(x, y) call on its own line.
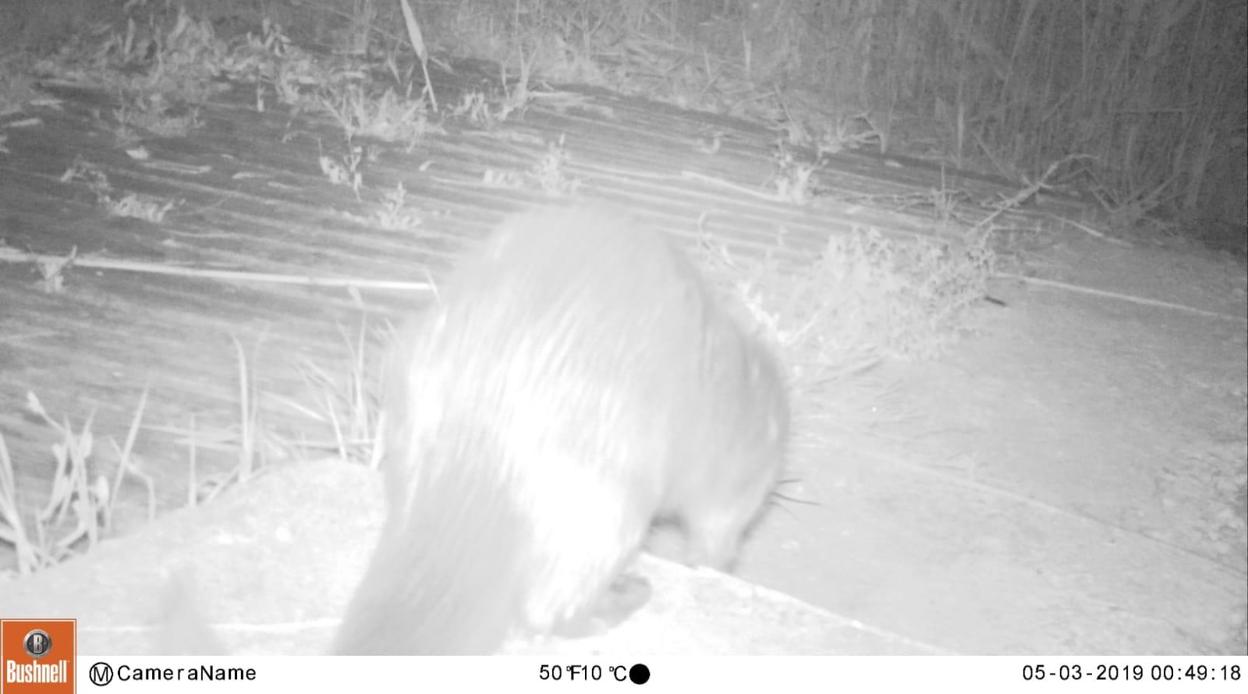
point(448, 575)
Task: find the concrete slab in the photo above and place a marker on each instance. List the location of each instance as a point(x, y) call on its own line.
point(271, 564)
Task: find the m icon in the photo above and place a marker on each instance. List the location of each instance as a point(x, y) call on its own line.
point(101, 674)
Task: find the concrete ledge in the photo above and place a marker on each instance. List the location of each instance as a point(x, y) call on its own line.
point(271, 565)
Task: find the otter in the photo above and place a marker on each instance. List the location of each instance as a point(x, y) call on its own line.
point(575, 382)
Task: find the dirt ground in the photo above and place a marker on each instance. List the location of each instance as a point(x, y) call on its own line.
point(1070, 479)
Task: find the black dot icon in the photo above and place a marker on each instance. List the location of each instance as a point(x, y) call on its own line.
point(639, 674)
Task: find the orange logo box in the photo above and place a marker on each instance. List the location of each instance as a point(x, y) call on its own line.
point(37, 656)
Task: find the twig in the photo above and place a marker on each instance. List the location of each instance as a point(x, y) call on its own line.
point(1089, 230)
point(14, 256)
point(694, 176)
point(1122, 297)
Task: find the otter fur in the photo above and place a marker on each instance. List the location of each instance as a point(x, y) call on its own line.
point(575, 382)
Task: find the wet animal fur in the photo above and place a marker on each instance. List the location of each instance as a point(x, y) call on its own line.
point(575, 382)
